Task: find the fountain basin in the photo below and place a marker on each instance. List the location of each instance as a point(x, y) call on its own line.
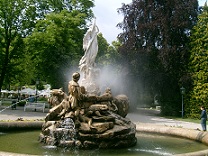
point(20, 125)
point(192, 134)
point(26, 142)
point(149, 135)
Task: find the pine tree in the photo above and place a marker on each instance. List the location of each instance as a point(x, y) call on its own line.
point(199, 64)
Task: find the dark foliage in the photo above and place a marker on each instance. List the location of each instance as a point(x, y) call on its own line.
point(155, 45)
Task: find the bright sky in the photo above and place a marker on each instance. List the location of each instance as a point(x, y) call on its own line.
point(107, 17)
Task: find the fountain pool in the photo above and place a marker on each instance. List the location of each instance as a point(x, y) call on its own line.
point(26, 142)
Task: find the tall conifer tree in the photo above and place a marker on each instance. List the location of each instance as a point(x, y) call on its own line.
point(198, 66)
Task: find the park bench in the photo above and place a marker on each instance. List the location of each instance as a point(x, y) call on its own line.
point(35, 106)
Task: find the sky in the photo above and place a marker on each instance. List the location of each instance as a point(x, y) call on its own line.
point(107, 17)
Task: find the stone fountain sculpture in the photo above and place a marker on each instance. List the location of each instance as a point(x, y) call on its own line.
point(85, 119)
point(87, 63)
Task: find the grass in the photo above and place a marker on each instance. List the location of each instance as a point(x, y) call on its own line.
point(6, 103)
point(189, 120)
point(185, 119)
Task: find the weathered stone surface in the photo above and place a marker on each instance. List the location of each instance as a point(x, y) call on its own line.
point(95, 127)
point(110, 139)
point(57, 97)
point(84, 128)
point(92, 99)
point(78, 144)
point(98, 107)
point(91, 126)
point(102, 127)
point(103, 118)
point(90, 144)
point(54, 112)
point(129, 135)
point(105, 97)
point(115, 132)
point(122, 103)
point(120, 129)
point(105, 135)
point(47, 124)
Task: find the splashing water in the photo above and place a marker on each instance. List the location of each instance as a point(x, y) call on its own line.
point(69, 132)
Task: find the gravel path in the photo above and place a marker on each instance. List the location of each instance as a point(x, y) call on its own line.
point(152, 116)
point(139, 116)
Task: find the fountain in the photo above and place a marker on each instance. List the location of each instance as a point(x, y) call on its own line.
point(85, 118)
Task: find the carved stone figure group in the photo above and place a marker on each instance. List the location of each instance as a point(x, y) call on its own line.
point(99, 121)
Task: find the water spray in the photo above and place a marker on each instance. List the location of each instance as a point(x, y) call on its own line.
point(10, 106)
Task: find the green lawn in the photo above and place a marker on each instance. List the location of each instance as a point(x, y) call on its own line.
point(185, 119)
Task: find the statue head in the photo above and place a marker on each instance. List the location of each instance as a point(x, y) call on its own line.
point(75, 76)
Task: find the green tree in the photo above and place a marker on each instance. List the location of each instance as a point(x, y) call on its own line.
point(107, 54)
point(56, 45)
point(102, 49)
point(198, 66)
point(17, 21)
point(45, 7)
point(154, 47)
point(15, 17)
point(114, 55)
